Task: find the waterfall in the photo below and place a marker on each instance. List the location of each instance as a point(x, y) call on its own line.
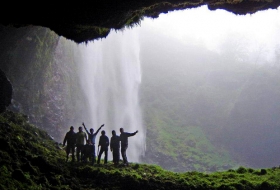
point(111, 75)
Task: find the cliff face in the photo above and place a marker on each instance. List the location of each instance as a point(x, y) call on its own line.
point(86, 21)
point(43, 72)
point(5, 91)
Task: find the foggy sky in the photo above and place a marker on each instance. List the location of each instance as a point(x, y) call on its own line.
point(200, 26)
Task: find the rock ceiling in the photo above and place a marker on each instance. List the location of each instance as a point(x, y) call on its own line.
point(88, 20)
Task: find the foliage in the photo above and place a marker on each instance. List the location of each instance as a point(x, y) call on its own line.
point(182, 147)
point(30, 159)
point(230, 102)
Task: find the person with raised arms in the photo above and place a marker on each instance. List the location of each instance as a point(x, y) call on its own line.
point(92, 137)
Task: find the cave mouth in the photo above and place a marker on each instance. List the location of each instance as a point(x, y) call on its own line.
point(233, 44)
point(83, 23)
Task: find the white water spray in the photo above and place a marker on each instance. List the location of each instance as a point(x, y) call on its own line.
point(110, 76)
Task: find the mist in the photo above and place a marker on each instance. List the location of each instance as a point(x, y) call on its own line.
point(255, 34)
point(200, 86)
point(208, 71)
point(215, 71)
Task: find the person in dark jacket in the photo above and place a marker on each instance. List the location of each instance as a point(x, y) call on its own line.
point(115, 147)
point(103, 143)
point(70, 139)
point(87, 151)
point(91, 137)
point(124, 143)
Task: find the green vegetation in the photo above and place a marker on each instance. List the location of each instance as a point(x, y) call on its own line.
point(183, 147)
point(208, 111)
point(30, 159)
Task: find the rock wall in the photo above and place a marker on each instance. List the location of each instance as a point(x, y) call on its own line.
point(42, 68)
point(5, 92)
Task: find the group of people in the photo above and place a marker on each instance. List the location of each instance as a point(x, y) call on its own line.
point(86, 151)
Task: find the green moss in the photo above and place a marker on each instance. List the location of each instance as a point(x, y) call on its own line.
point(241, 170)
point(187, 146)
point(39, 165)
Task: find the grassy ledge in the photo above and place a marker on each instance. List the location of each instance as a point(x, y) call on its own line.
point(30, 159)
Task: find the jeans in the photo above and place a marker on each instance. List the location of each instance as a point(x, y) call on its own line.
point(70, 147)
point(79, 151)
point(105, 150)
point(123, 151)
point(93, 159)
point(116, 155)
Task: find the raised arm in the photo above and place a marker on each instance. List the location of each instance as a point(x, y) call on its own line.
point(85, 128)
point(99, 129)
point(132, 134)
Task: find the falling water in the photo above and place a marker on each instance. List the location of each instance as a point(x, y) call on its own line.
point(111, 75)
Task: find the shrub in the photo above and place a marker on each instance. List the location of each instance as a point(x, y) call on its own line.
point(250, 170)
point(241, 170)
point(263, 171)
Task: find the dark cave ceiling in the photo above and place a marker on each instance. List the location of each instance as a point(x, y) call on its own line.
point(85, 21)
point(89, 20)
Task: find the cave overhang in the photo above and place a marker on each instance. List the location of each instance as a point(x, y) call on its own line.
point(89, 20)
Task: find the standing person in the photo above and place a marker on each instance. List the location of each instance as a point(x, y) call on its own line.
point(124, 143)
point(70, 139)
point(92, 137)
point(81, 137)
point(104, 143)
point(87, 151)
point(115, 147)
